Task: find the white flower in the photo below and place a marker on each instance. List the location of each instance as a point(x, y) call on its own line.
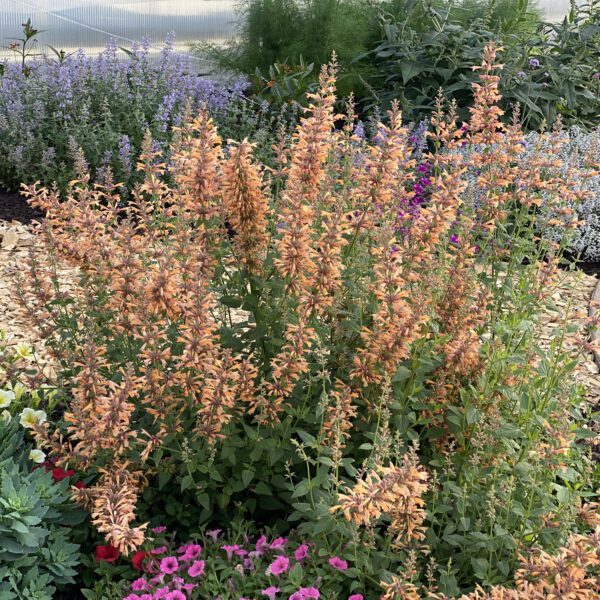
point(19, 389)
point(24, 350)
point(37, 456)
point(6, 397)
point(30, 417)
point(5, 416)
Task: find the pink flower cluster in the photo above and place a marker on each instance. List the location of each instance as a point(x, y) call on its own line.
point(174, 575)
point(168, 573)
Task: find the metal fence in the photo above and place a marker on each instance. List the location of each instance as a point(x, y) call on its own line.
point(88, 24)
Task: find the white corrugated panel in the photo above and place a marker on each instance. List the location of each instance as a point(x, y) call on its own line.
point(89, 24)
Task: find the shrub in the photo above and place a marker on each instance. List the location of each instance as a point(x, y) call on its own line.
point(275, 344)
point(96, 111)
point(36, 551)
point(579, 158)
point(550, 71)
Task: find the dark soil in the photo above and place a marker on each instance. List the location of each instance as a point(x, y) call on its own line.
point(14, 207)
point(69, 594)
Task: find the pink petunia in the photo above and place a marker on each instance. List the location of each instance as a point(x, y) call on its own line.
point(161, 593)
point(309, 593)
point(158, 529)
point(214, 534)
point(280, 565)
point(261, 544)
point(189, 551)
point(145, 597)
point(356, 597)
point(196, 569)
point(169, 565)
point(301, 552)
point(278, 543)
point(175, 595)
point(230, 550)
point(338, 563)
point(271, 592)
point(160, 550)
point(139, 585)
point(188, 587)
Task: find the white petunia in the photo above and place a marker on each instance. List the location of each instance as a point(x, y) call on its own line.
point(6, 397)
point(37, 456)
point(30, 417)
point(24, 350)
point(5, 416)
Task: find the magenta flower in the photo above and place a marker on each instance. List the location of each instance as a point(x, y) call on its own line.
point(196, 569)
point(338, 563)
point(139, 585)
point(214, 534)
point(160, 550)
point(309, 593)
point(145, 597)
point(132, 597)
point(230, 550)
point(161, 593)
point(271, 592)
point(280, 565)
point(189, 551)
point(169, 565)
point(301, 552)
point(278, 544)
point(188, 587)
point(158, 529)
point(261, 544)
point(175, 595)
point(356, 597)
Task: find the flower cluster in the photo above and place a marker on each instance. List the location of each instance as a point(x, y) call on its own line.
point(99, 107)
point(277, 569)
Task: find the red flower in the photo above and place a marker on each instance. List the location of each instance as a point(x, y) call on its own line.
point(138, 560)
point(109, 553)
point(80, 485)
point(59, 474)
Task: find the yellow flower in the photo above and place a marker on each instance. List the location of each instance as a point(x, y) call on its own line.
point(30, 417)
point(37, 456)
point(24, 350)
point(5, 416)
point(6, 397)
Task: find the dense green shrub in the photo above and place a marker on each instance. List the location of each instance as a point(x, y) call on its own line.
point(550, 68)
point(548, 71)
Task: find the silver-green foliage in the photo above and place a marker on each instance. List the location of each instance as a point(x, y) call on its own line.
point(35, 515)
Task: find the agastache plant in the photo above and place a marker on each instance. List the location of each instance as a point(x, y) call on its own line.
point(269, 340)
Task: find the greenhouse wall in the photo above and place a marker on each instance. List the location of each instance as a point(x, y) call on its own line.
point(89, 24)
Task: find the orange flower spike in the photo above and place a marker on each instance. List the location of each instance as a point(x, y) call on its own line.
point(246, 205)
